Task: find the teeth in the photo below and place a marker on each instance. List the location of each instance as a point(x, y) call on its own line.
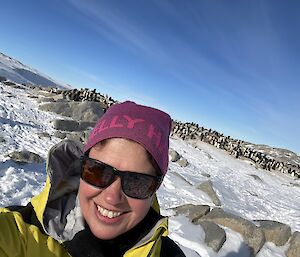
point(108, 213)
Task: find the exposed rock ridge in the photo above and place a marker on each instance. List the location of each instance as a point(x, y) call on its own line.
point(255, 233)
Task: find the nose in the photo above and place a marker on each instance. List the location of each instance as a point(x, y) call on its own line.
point(113, 194)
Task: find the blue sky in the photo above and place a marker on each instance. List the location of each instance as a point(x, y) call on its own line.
point(233, 66)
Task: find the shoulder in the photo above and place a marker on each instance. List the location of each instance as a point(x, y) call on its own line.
point(170, 249)
point(23, 216)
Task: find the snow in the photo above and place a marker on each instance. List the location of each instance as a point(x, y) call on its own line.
point(243, 190)
point(15, 71)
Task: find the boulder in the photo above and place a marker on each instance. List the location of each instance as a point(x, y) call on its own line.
point(82, 111)
point(215, 236)
point(191, 211)
point(25, 157)
point(66, 125)
point(294, 248)
point(207, 187)
point(275, 232)
point(43, 134)
point(173, 155)
point(183, 162)
point(257, 178)
point(253, 235)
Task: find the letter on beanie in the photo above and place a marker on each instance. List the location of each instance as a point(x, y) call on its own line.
point(152, 133)
point(131, 122)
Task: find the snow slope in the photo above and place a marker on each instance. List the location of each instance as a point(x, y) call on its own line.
point(15, 71)
point(274, 196)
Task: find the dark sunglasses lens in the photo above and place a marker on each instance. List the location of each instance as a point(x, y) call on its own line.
point(138, 185)
point(96, 174)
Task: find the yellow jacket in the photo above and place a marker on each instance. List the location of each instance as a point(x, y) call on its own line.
point(54, 216)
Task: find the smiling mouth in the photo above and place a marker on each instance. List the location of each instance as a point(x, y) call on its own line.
point(108, 213)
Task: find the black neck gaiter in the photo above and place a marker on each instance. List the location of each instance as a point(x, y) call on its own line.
point(85, 244)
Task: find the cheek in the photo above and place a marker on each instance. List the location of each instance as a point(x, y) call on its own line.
point(86, 192)
point(140, 208)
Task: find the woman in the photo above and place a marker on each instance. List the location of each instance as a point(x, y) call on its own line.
point(99, 202)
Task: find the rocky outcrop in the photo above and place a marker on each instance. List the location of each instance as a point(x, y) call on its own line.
point(255, 233)
point(253, 236)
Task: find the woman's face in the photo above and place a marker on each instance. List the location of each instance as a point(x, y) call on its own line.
point(108, 211)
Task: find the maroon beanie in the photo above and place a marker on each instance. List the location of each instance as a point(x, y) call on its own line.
point(145, 125)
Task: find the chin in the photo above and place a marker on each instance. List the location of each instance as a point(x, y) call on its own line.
point(104, 235)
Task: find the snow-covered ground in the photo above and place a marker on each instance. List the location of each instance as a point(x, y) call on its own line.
point(16, 71)
point(273, 197)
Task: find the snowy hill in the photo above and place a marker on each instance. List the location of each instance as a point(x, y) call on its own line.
point(243, 190)
point(17, 72)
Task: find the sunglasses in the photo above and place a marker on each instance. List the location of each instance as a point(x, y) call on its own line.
point(134, 184)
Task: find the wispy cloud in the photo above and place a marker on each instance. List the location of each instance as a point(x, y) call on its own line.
point(111, 23)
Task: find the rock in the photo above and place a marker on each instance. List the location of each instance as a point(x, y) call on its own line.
point(45, 100)
point(253, 236)
point(83, 125)
point(25, 157)
point(9, 83)
point(60, 98)
point(43, 134)
point(275, 232)
point(183, 162)
point(59, 134)
point(257, 178)
point(32, 96)
point(215, 236)
point(66, 125)
point(43, 93)
point(295, 184)
point(2, 139)
point(191, 211)
point(294, 248)
point(207, 187)
point(79, 137)
point(173, 155)
point(82, 111)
